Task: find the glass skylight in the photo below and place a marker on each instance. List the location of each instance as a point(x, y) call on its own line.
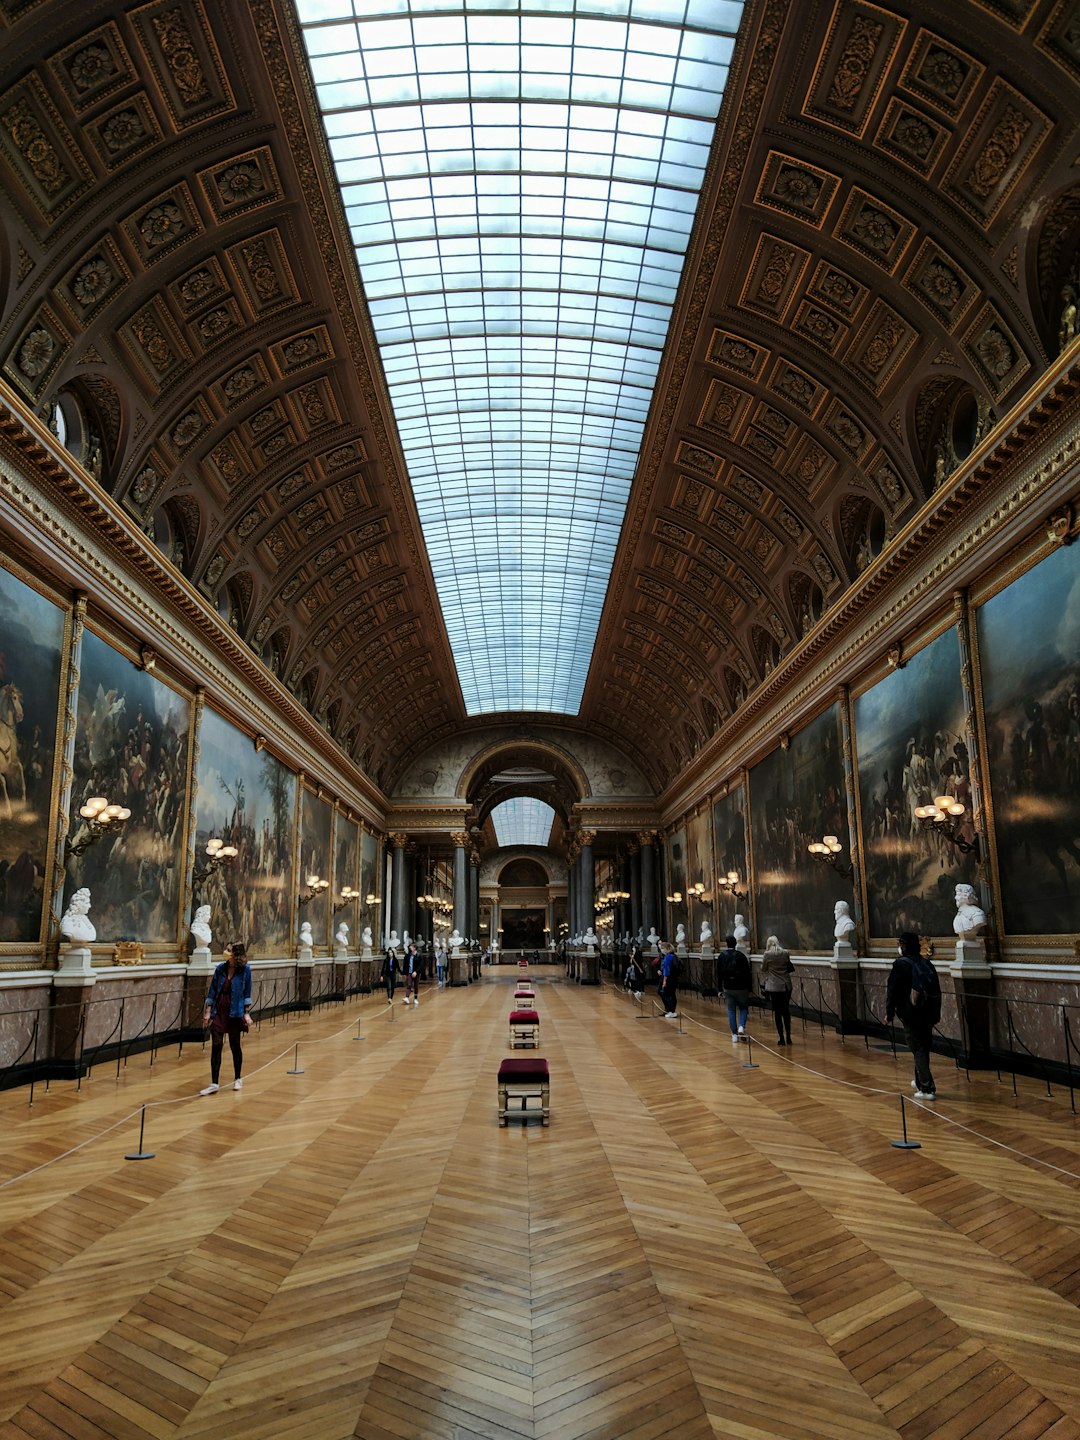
point(520, 183)
point(523, 821)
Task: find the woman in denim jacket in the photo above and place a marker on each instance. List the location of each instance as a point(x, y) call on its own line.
point(227, 1012)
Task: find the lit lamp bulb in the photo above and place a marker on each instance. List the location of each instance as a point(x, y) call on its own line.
point(93, 807)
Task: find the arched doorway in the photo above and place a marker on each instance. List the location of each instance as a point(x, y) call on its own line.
point(524, 905)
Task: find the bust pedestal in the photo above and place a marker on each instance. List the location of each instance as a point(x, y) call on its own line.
point(842, 951)
point(76, 965)
point(845, 964)
point(305, 971)
point(200, 961)
point(973, 988)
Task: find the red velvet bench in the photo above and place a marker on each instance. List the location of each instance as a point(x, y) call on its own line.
point(524, 1028)
point(524, 1080)
point(524, 999)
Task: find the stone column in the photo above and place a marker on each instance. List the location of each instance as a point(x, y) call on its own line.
point(587, 881)
point(649, 916)
point(474, 894)
point(460, 840)
point(633, 884)
point(399, 915)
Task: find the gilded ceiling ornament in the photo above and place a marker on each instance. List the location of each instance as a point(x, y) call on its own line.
point(36, 353)
point(819, 326)
point(942, 71)
point(913, 134)
point(798, 188)
point(774, 276)
point(240, 383)
point(875, 229)
point(215, 323)
point(187, 429)
point(90, 67)
point(881, 347)
point(997, 154)
point(92, 280)
point(161, 224)
point(941, 284)
point(854, 65)
point(146, 482)
point(239, 183)
point(156, 347)
point(34, 146)
point(301, 350)
point(197, 286)
point(178, 49)
point(123, 130)
point(996, 353)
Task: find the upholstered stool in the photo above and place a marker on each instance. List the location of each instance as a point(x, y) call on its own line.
point(524, 1028)
point(524, 1079)
point(524, 999)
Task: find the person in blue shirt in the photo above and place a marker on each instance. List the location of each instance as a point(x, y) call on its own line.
point(228, 1012)
point(667, 987)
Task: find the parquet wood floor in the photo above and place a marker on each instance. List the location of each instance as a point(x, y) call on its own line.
point(691, 1249)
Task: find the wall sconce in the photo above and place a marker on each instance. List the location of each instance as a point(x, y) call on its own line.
point(828, 849)
point(371, 901)
point(946, 817)
point(347, 896)
point(217, 854)
point(729, 883)
point(100, 817)
point(315, 886)
point(675, 899)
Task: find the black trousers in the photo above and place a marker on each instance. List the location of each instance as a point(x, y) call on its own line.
point(217, 1044)
point(780, 1000)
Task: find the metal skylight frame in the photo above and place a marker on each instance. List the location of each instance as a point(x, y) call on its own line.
point(520, 184)
point(522, 821)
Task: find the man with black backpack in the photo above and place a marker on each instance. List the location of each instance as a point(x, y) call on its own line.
point(735, 978)
point(914, 997)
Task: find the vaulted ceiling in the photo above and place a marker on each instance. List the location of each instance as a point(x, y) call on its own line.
point(891, 214)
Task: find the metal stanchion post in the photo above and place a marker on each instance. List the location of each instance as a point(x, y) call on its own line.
point(749, 1063)
point(905, 1143)
point(296, 1070)
point(140, 1154)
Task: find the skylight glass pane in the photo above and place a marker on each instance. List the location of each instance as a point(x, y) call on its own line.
point(520, 189)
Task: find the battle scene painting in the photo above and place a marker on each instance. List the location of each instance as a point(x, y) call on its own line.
point(369, 885)
point(729, 847)
point(1029, 648)
point(909, 742)
point(796, 796)
point(315, 861)
point(31, 650)
point(131, 747)
point(699, 868)
point(248, 799)
point(346, 873)
point(676, 911)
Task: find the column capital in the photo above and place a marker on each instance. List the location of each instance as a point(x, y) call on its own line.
point(586, 837)
point(398, 839)
point(459, 838)
point(646, 838)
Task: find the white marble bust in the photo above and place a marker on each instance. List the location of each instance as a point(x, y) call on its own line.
point(706, 933)
point(200, 927)
point(455, 941)
point(969, 918)
point(365, 937)
point(589, 938)
point(741, 933)
point(393, 943)
point(680, 934)
point(305, 934)
point(406, 940)
point(76, 924)
point(652, 938)
point(843, 924)
point(342, 936)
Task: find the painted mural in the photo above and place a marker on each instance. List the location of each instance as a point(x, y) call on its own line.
point(797, 795)
point(909, 742)
point(347, 872)
point(249, 800)
point(699, 868)
point(315, 860)
point(131, 746)
point(1029, 647)
point(675, 911)
point(31, 650)
point(729, 848)
point(369, 882)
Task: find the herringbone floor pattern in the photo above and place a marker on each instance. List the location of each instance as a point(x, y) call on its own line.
point(691, 1249)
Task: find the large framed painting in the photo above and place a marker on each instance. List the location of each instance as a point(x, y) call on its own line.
point(369, 884)
point(248, 799)
point(796, 796)
point(699, 871)
point(1029, 649)
point(31, 653)
point(132, 743)
point(346, 874)
point(315, 861)
point(909, 743)
point(729, 848)
point(675, 878)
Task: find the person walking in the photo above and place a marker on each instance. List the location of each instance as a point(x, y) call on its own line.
point(389, 972)
point(440, 964)
point(776, 973)
point(734, 978)
point(228, 1012)
point(914, 997)
point(636, 971)
point(669, 982)
point(411, 967)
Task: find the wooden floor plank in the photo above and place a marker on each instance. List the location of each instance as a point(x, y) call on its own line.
point(690, 1249)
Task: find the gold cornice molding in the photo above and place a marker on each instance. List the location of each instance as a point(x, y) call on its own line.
point(1030, 461)
point(68, 522)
